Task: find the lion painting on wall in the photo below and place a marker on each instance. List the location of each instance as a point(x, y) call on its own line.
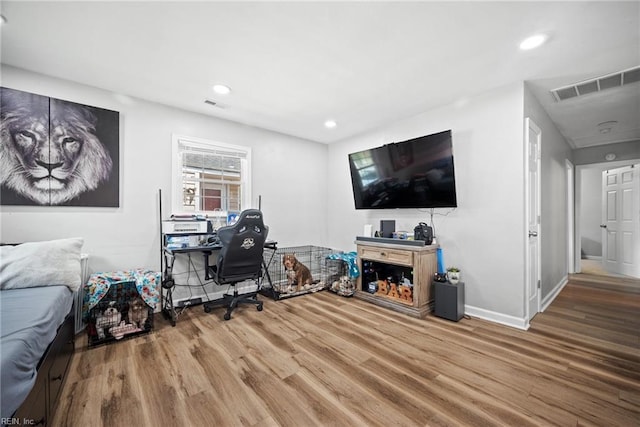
point(50, 152)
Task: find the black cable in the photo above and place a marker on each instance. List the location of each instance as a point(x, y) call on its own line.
point(202, 285)
point(432, 212)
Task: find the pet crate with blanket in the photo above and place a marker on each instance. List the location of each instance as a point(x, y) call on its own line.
point(299, 270)
point(120, 304)
point(344, 284)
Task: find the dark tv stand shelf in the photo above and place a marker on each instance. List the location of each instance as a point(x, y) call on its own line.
point(401, 242)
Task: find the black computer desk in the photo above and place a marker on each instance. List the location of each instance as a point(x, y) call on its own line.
point(168, 310)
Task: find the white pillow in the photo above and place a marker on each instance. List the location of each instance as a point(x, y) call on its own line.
point(33, 264)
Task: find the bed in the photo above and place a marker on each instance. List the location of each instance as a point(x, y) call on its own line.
point(38, 281)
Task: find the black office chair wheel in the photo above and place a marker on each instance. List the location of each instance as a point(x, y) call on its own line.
point(227, 316)
point(259, 307)
point(207, 309)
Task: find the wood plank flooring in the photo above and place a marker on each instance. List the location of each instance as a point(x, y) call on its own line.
point(324, 360)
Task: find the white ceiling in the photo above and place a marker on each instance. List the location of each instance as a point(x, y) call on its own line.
point(293, 65)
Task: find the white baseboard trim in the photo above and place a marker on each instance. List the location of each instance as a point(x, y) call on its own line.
point(492, 316)
point(593, 257)
point(547, 300)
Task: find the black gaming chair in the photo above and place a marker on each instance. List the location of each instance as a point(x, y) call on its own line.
point(239, 259)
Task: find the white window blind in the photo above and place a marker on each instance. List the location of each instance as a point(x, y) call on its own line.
point(209, 177)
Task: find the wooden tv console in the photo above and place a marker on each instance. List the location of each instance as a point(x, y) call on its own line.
point(420, 259)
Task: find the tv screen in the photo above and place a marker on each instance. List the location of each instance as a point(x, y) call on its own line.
point(417, 173)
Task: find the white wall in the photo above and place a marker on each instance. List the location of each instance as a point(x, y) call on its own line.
point(554, 187)
point(484, 236)
point(288, 172)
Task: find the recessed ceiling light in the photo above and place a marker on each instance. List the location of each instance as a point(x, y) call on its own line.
point(330, 124)
point(533, 42)
point(221, 89)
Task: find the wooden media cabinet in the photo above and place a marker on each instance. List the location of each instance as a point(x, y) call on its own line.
point(387, 268)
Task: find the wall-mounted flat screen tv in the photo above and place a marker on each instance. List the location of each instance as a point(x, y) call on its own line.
point(417, 173)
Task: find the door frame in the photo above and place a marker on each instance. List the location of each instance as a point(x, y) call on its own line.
point(528, 315)
point(578, 190)
point(571, 216)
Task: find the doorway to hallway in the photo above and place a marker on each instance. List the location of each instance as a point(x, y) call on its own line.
point(591, 229)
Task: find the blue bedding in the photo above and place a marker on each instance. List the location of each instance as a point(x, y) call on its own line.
point(29, 320)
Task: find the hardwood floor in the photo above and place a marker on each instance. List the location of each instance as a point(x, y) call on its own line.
point(324, 360)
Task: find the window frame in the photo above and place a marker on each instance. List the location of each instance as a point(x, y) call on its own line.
point(177, 141)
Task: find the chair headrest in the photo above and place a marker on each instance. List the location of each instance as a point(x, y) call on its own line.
point(250, 217)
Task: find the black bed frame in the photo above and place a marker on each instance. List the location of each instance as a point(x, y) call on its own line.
point(40, 405)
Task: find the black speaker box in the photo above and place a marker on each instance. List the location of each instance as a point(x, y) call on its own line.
point(387, 227)
point(449, 300)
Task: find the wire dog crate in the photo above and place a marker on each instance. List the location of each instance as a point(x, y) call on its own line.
point(120, 313)
point(119, 304)
point(307, 270)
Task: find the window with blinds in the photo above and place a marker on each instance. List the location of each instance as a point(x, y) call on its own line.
point(209, 177)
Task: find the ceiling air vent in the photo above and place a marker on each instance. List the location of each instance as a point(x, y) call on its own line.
point(598, 84)
point(631, 76)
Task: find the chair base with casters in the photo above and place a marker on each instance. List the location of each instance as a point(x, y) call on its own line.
point(240, 259)
point(231, 302)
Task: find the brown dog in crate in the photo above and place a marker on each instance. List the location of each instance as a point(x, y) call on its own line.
point(297, 273)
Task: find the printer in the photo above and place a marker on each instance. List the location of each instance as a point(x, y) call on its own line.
point(187, 227)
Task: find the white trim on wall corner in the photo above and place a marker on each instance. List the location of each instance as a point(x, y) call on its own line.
point(548, 299)
point(492, 316)
point(512, 321)
point(571, 216)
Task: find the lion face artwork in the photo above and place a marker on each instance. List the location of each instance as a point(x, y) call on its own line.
point(50, 151)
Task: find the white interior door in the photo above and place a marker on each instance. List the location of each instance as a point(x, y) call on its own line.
point(533, 139)
point(621, 220)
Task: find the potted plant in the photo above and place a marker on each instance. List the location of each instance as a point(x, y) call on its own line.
point(453, 274)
